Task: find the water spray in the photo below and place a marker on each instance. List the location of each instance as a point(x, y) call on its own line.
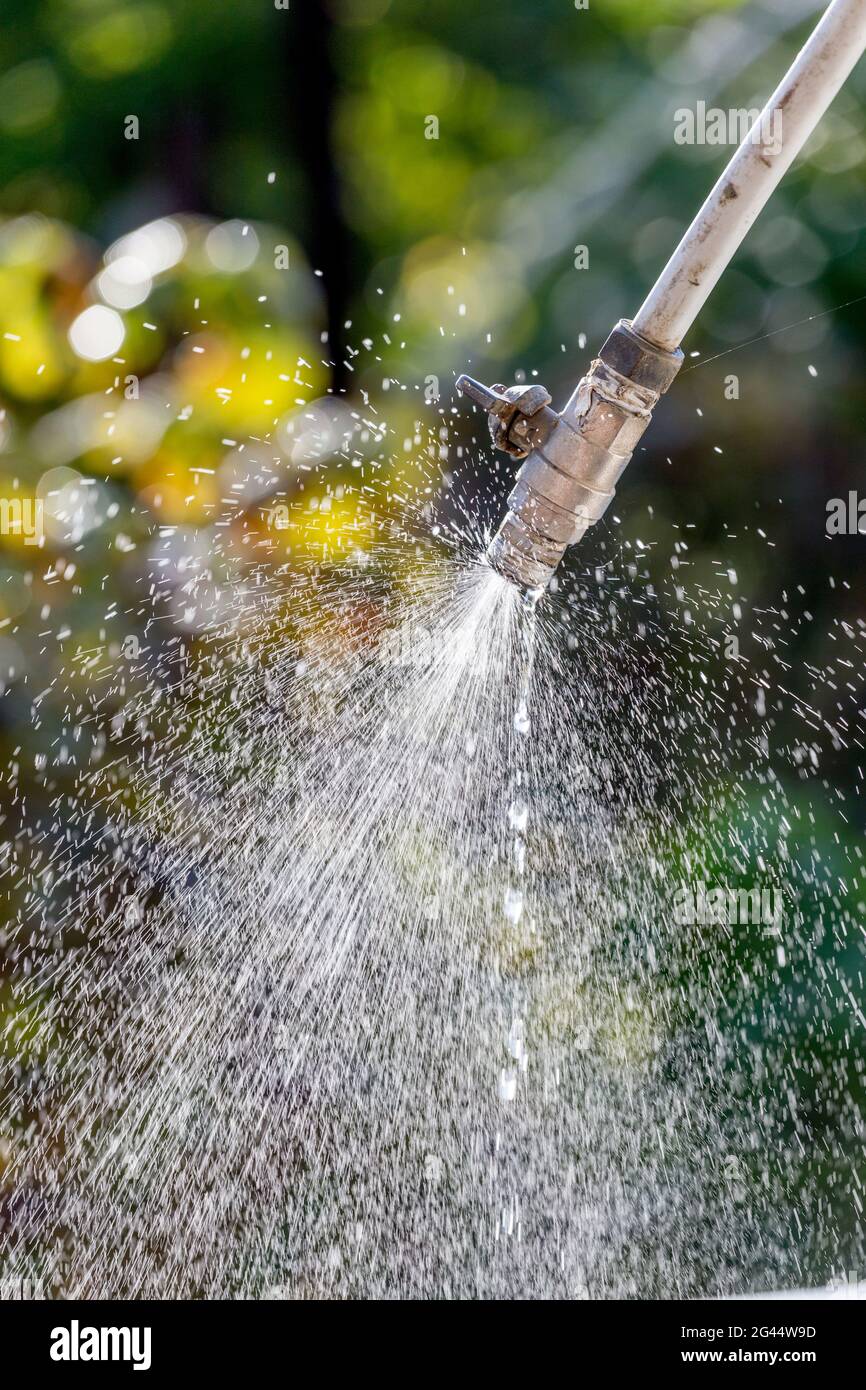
point(574, 459)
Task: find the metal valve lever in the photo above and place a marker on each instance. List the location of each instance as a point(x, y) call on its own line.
point(520, 417)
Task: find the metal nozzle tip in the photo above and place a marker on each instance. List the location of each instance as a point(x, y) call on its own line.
point(521, 555)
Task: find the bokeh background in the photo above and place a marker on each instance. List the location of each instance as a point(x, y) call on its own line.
point(251, 198)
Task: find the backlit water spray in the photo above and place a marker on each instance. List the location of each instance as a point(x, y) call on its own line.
point(386, 995)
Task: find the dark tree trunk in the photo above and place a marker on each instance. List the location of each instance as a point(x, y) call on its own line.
point(310, 83)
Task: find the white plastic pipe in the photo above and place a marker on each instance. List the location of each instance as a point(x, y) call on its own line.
point(772, 144)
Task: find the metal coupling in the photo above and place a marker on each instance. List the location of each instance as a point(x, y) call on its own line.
point(575, 458)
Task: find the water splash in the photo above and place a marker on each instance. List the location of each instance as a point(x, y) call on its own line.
point(385, 996)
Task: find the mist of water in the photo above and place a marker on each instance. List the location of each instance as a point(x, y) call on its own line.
point(384, 995)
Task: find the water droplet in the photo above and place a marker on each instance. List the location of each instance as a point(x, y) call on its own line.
point(507, 1086)
point(513, 905)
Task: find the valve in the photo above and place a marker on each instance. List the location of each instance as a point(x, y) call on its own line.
point(520, 416)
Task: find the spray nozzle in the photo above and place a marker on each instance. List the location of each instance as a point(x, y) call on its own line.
point(573, 459)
